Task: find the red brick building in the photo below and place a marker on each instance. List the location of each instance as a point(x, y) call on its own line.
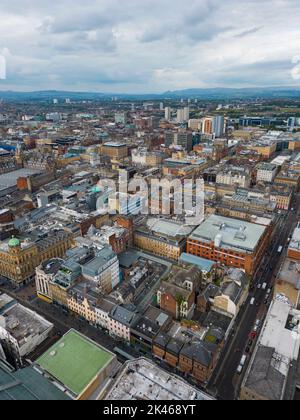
point(231, 242)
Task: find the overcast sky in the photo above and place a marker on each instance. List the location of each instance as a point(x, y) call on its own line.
point(149, 45)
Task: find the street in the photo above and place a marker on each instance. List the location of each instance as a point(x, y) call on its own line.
point(225, 382)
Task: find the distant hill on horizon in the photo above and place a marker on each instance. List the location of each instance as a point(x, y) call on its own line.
point(209, 93)
point(268, 92)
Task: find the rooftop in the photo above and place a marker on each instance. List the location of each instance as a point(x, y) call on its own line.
point(277, 349)
point(75, 361)
point(290, 273)
point(123, 315)
point(27, 385)
point(10, 179)
point(128, 258)
point(96, 265)
point(115, 144)
point(22, 323)
point(143, 380)
point(278, 334)
point(51, 266)
point(5, 302)
point(264, 378)
point(203, 264)
point(265, 166)
point(229, 233)
point(295, 241)
point(169, 228)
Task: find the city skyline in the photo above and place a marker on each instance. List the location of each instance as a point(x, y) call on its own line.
point(149, 48)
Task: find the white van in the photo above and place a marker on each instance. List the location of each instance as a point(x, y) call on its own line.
point(243, 360)
point(240, 369)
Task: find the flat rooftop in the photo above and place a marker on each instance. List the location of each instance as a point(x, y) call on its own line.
point(277, 350)
point(22, 323)
point(10, 179)
point(75, 361)
point(265, 166)
point(229, 233)
point(295, 241)
point(115, 144)
point(279, 334)
point(168, 227)
point(103, 258)
point(143, 380)
point(290, 272)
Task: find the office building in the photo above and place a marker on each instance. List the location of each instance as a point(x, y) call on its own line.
point(170, 137)
point(231, 242)
point(185, 140)
point(266, 172)
point(218, 126)
point(121, 118)
point(115, 150)
point(207, 126)
point(195, 124)
point(168, 114)
point(103, 270)
point(164, 238)
point(234, 176)
point(180, 116)
point(186, 113)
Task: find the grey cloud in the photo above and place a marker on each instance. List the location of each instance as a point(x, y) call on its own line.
point(112, 42)
point(248, 32)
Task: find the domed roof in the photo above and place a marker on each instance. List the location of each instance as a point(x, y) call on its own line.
point(14, 242)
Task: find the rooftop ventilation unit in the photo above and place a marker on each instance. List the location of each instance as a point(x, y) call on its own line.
point(218, 241)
